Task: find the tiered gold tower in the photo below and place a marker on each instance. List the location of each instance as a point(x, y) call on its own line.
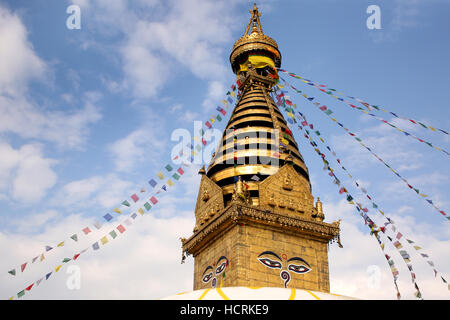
point(256, 221)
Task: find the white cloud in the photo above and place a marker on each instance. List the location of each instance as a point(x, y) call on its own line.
point(105, 191)
point(25, 175)
point(19, 65)
point(189, 35)
point(18, 62)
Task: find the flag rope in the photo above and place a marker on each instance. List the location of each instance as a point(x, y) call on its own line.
point(328, 112)
point(133, 200)
point(367, 105)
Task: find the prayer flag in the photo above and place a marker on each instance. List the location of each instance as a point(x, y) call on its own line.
point(23, 266)
point(126, 203)
point(95, 246)
point(97, 224)
point(121, 228)
point(135, 198)
point(65, 260)
point(170, 182)
point(21, 294)
point(48, 248)
point(153, 183)
point(168, 167)
point(74, 237)
point(160, 175)
point(147, 206)
point(12, 272)
point(104, 240)
point(176, 176)
point(60, 244)
point(141, 211)
point(48, 275)
point(29, 287)
point(117, 210)
point(113, 234)
point(153, 200)
point(108, 217)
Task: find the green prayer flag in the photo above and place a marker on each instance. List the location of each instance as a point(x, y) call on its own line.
point(176, 176)
point(66, 260)
point(13, 272)
point(21, 294)
point(219, 118)
point(74, 237)
point(147, 206)
point(168, 167)
point(328, 112)
point(113, 234)
point(126, 203)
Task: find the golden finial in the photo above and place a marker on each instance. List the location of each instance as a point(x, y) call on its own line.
point(255, 41)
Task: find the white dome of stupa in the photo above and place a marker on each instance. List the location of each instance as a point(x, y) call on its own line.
point(255, 293)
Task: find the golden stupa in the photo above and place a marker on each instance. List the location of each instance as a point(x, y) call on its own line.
point(257, 225)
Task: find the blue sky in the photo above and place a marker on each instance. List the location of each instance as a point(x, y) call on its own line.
point(87, 117)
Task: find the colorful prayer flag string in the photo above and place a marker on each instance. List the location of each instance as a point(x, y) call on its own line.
point(128, 205)
point(367, 105)
point(328, 112)
point(397, 233)
point(382, 120)
point(367, 220)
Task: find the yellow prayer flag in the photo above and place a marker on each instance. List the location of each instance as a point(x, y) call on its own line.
point(431, 128)
point(117, 210)
point(58, 267)
point(141, 211)
point(60, 244)
point(104, 240)
point(170, 182)
point(42, 257)
point(233, 94)
point(160, 175)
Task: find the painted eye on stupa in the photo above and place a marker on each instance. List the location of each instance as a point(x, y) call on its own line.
point(273, 262)
point(300, 267)
point(222, 263)
point(207, 277)
point(270, 263)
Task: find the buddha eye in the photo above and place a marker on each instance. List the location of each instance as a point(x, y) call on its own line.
point(270, 263)
point(221, 268)
point(207, 277)
point(298, 268)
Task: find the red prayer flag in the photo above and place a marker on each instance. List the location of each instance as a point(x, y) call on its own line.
point(23, 266)
point(208, 124)
point(86, 230)
point(154, 200)
point(76, 256)
point(29, 287)
point(134, 197)
point(180, 171)
point(121, 228)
